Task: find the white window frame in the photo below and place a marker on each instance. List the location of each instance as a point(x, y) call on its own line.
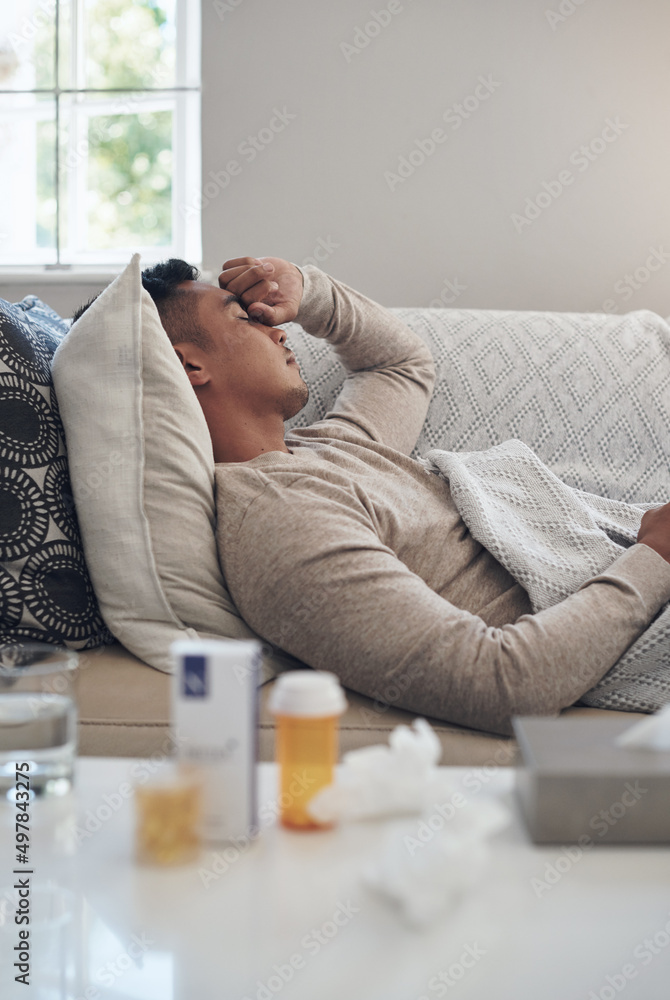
point(182, 98)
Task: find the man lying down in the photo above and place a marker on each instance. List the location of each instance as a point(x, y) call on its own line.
point(342, 550)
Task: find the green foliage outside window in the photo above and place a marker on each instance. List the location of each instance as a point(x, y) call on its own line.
point(130, 180)
point(127, 154)
point(126, 44)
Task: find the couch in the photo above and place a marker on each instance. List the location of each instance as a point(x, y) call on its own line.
point(586, 391)
point(124, 712)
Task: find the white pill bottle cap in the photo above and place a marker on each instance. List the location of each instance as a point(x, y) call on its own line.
point(307, 693)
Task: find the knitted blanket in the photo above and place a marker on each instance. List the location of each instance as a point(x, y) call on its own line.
point(552, 538)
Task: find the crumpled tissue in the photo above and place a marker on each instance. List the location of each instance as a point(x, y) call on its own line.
point(423, 865)
point(427, 877)
point(386, 780)
point(652, 733)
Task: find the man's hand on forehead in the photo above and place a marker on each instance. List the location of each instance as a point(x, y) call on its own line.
point(269, 288)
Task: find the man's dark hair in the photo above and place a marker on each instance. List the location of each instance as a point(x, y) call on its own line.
point(82, 309)
point(178, 315)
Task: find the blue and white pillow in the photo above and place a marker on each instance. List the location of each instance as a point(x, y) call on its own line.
point(45, 590)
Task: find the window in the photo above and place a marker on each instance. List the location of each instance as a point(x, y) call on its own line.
point(99, 131)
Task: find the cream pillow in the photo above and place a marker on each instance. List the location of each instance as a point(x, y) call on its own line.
point(142, 473)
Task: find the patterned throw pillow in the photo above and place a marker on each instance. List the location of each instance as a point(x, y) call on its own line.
point(45, 591)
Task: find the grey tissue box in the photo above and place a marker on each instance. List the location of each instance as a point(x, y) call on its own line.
point(576, 786)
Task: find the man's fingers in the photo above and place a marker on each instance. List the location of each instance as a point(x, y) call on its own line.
point(256, 292)
point(237, 268)
point(252, 271)
point(249, 281)
point(655, 530)
point(242, 262)
point(269, 286)
point(251, 285)
point(261, 312)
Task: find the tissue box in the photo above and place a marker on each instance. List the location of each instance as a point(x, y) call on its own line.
point(576, 786)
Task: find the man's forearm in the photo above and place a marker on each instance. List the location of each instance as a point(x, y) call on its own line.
point(364, 334)
point(391, 370)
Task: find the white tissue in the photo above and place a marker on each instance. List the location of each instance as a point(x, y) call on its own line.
point(422, 866)
point(652, 733)
point(386, 780)
point(425, 878)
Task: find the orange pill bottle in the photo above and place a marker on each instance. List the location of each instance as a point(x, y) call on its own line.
point(307, 705)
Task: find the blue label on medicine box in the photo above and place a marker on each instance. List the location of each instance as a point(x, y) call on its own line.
point(194, 680)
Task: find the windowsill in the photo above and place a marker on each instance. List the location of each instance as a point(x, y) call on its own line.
point(30, 275)
point(75, 275)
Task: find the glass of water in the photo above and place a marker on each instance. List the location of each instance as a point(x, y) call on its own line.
point(38, 717)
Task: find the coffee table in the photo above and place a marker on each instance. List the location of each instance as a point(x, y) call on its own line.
point(289, 915)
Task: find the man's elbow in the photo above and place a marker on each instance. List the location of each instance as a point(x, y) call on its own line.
point(532, 699)
point(423, 372)
point(426, 363)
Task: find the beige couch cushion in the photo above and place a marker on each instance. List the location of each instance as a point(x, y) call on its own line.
point(124, 705)
point(124, 709)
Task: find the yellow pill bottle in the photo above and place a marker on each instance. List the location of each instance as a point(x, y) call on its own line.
point(307, 705)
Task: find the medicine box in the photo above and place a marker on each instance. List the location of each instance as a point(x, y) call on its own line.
point(214, 714)
point(575, 785)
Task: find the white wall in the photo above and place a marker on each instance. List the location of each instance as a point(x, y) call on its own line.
point(321, 179)
point(63, 296)
point(555, 86)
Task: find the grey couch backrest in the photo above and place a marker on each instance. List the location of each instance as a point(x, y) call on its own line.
point(589, 392)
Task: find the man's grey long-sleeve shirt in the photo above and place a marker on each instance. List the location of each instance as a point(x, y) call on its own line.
point(348, 554)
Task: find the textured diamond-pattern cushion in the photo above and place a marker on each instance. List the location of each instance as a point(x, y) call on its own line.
point(589, 392)
point(45, 591)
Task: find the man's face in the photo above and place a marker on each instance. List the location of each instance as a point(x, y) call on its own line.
point(247, 360)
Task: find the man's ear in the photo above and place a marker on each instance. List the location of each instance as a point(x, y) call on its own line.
point(193, 363)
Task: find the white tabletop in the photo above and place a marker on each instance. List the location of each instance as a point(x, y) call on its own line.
point(290, 915)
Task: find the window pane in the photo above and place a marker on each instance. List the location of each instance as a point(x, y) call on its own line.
point(47, 205)
point(89, 165)
point(67, 47)
point(129, 43)
point(116, 173)
point(27, 42)
point(27, 171)
point(130, 180)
